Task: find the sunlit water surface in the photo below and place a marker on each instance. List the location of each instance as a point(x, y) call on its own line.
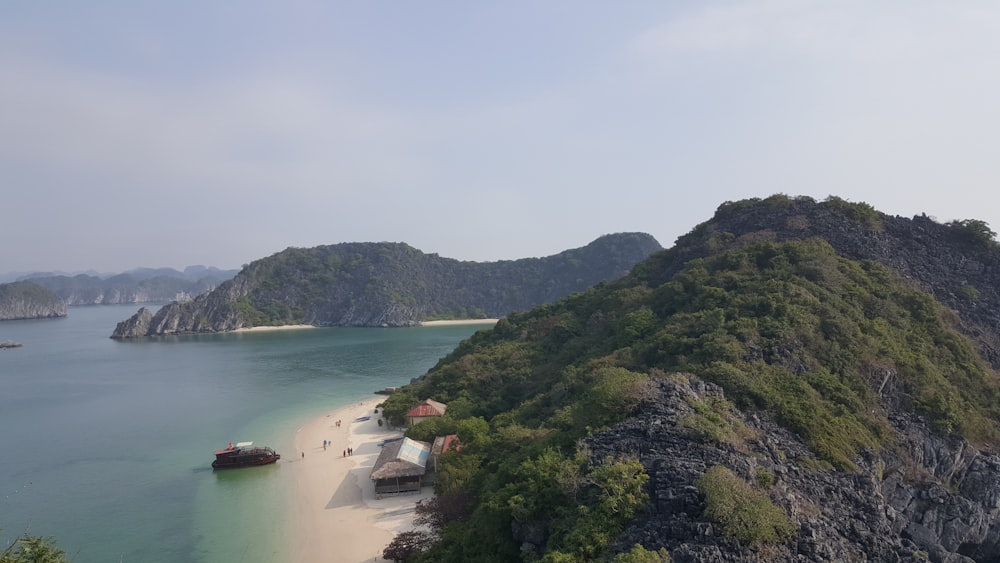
point(107, 445)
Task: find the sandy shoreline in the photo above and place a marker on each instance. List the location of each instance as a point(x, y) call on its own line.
point(423, 323)
point(335, 516)
point(269, 328)
point(460, 322)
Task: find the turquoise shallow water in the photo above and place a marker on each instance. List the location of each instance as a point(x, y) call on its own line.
point(107, 445)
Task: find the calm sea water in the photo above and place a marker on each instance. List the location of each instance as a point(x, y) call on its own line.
point(107, 445)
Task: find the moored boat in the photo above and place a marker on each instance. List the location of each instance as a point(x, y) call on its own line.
point(244, 454)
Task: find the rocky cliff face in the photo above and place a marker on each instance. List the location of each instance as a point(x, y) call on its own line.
point(25, 300)
point(933, 497)
point(136, 324)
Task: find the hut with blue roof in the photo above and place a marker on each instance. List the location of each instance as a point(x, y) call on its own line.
point(400, 468)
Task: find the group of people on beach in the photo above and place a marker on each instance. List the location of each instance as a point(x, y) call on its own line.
point(347, 452)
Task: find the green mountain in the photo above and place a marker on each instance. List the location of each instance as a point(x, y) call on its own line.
point(25, 300)
point(793, 381)
point(388, 284)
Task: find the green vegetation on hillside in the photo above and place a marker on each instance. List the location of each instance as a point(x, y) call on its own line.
point(32, 549)
point(327, 284)
point(789, 328)
point(743, 512)
point(975, 231)
point(23, 298)
point(27, 291)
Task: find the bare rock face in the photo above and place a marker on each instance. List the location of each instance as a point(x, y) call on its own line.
point(932, 497)
point(135, 326)
point(211, 312)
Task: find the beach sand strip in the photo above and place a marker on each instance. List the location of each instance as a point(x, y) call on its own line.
point(335, 516)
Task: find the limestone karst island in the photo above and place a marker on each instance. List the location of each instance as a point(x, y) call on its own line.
point(792, 380)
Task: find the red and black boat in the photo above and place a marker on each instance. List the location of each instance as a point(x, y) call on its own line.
point(243, 454)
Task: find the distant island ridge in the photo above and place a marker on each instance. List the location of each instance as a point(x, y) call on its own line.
point(388, 285)
point(43, 295)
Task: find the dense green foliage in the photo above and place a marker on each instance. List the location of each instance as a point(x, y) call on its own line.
point(21, 299)
point(861, 212)
point(742, 511)
point(341, 284)
point(802, 333)
point(975, 230)
point(32, 549)
point(639, 554)
point(27, 291)
point(790, 328)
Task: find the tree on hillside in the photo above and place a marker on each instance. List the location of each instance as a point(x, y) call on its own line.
point(975, 230)
point(406, 546)
point(32, 549)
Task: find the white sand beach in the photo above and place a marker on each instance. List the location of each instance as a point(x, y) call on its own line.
point(460, 322)
point(423, 323)
point(268, 328)
point(336, 516)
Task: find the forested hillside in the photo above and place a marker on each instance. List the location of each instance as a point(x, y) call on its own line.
point(785, 384)
point(25, 300)
point(390, 284)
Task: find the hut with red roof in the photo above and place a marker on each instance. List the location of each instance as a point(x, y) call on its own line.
point(427, 409)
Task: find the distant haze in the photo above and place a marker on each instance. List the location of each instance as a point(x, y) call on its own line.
point(165, 134)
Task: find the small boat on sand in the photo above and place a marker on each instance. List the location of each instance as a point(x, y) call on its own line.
point(243, 454)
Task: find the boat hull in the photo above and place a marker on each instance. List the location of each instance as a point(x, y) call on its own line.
point(233, 458)
point(245, 463)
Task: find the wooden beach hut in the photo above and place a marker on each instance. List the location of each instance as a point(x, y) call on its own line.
point(427, 409)
point(400, 468)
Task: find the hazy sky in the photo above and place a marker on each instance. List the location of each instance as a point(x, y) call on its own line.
point(178, 133)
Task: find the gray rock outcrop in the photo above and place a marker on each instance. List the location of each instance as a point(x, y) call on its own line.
point(931, 497)
point(135, 325)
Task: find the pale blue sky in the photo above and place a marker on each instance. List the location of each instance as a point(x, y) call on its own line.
point(216, 133)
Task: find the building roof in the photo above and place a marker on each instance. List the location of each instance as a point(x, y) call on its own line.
point(404, 458)
point(445, 444)
point(428, 407)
